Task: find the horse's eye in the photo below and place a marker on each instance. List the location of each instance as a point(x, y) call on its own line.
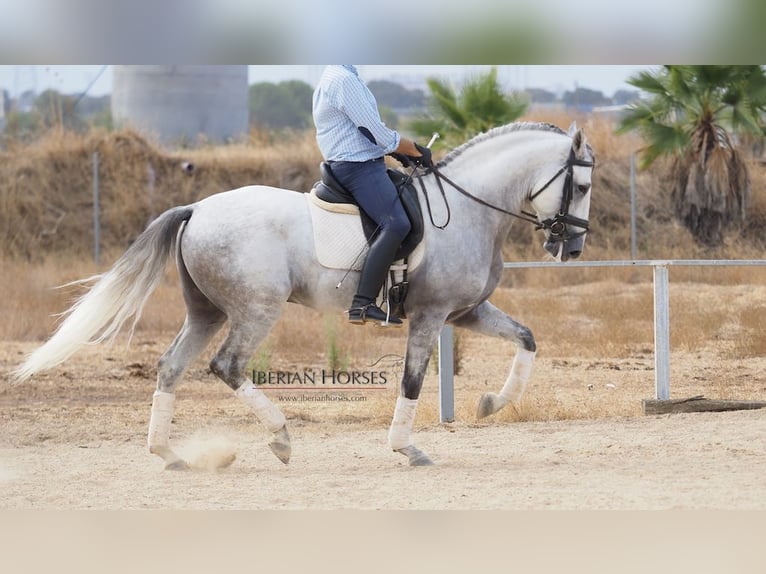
point(583, 188)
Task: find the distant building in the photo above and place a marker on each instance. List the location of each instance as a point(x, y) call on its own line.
point(182, 103)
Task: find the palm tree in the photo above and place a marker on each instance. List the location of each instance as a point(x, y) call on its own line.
point(480, 105)
point(694, 115)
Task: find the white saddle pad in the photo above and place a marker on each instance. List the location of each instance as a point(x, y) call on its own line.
point(339, 238)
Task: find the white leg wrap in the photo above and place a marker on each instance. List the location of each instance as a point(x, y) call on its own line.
point(266, 411)
point(401, 425)
point(163, 406)
point(521, 371)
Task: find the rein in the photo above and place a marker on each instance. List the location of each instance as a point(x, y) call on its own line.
point(555, 225)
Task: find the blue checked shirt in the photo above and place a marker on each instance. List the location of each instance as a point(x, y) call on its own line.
point(347, 120)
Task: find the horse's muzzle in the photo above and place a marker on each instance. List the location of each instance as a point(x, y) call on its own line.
point(564, 250)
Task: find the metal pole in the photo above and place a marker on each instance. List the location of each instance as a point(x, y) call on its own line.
point(661, 333)
point(633, 249)
point(96, 212)
point(446, 376)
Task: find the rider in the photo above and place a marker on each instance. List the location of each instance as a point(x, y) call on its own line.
point(353, 140)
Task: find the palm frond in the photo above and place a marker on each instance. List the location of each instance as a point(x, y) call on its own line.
point(480, 106)
point(648, 82)
point(445, 102)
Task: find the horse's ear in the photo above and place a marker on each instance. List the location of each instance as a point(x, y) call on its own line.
point(572, 129)
point(578, 140)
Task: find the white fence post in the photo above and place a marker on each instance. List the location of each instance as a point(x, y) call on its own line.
point(661, 333)
point(446, 375)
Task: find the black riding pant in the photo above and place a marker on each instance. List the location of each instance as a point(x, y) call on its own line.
point(373, 190)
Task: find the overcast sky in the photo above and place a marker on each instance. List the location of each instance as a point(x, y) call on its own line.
point(77, 79)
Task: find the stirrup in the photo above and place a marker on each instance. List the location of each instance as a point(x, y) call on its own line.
point(371, 312)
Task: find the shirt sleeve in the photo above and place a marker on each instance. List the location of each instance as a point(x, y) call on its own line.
point(357, 102)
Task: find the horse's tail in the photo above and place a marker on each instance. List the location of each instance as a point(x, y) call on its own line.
point(117, 295)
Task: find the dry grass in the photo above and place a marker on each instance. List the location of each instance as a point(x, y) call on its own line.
point(595, 344)
point(46, 188)
point(46, 191)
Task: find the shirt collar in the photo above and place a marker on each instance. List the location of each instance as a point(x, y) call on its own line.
point(351, 69)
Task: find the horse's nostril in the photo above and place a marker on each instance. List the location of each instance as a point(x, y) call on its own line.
point(574, 254)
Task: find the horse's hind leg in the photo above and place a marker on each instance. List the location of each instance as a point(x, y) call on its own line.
point(230, 365)
point(489, 320)
point(203, 320)
point(190, 342)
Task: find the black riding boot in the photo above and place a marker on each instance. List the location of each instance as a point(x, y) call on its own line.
point(379, 259)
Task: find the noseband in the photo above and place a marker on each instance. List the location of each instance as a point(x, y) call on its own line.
point(556, 225)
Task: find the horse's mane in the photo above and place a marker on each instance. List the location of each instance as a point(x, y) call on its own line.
point(498, 131)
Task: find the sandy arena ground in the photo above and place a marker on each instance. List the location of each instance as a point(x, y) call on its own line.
point(75, 438)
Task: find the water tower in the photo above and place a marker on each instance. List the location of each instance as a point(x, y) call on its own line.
point(181, 103)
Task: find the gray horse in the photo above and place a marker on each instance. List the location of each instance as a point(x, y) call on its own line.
point(243, 253)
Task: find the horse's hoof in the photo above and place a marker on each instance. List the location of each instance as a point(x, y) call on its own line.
point(177, 465)
point(489, 404)
point(280, 446)
point(416, 456)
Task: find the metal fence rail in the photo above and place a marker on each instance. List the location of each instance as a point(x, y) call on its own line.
point(661, 320)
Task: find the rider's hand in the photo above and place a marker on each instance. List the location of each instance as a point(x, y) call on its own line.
point(424, 159)
point(401, 158)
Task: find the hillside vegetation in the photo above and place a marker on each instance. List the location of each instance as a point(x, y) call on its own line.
point(46, 192)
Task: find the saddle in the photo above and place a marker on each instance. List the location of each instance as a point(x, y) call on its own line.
point(330, 190)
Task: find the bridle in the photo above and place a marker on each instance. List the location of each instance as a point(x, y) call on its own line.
point(556, 225)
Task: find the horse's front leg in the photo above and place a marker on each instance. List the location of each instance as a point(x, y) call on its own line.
point(423, 334)
point(489, 320)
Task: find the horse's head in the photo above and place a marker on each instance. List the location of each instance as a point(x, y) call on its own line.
point(563, 203)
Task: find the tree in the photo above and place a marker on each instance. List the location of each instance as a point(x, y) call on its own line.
point(279, 106)
point(540, 96)
point(692, 115)
point(480, 105)
point(395, 96)
point(585, 99)
point(623, 97)
point(57, 110)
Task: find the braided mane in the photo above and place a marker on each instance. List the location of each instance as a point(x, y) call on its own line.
point(498, 131)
